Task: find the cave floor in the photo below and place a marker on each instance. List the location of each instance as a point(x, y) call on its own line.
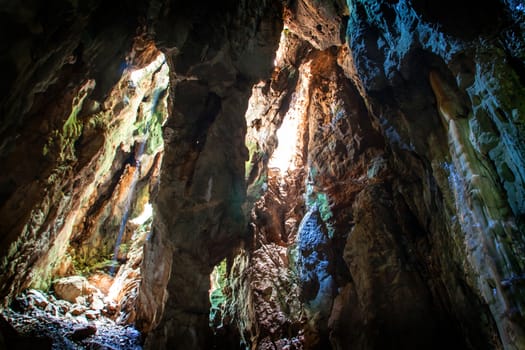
point(33, 325)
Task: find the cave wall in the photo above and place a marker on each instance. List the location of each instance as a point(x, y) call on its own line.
point(477, 189)
point(60, 61)
point(411, 212)
point(214, 61)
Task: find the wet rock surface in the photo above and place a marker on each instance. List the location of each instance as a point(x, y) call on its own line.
point(63, 325)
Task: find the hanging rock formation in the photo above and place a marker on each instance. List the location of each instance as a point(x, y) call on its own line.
point(199, 219)
point(364, 191)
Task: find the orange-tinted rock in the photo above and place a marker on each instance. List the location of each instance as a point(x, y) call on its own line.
point(70, 288)
point(101, 281)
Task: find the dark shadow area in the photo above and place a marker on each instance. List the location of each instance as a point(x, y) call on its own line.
point(464, 19)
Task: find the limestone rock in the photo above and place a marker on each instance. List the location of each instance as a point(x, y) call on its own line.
point(101, 281)
point(321, 26)
point(77, 310)
point(84, 332)
point(92, 314)
point(97, 303)
point(63, 306)
point(37, 298)
point(70, 288)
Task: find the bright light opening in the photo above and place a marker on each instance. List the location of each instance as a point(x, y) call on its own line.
point(287, 155)
point(146, 214)
point(283, 156)
point(137, 75)
point(278, 61)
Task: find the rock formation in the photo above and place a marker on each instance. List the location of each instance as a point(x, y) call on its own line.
point(364, 191)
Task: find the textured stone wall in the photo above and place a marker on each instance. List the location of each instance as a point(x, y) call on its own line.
point(59, 61)
point(421, 46)
point(214, 61)
point(405, 176)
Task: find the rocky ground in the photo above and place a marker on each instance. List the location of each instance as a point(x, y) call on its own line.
point(37, 319)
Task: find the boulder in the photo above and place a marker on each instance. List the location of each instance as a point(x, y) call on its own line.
point(97, 303)
point(37, 298)
point(92, 314)
point(84, 332)
point(102, 281)
point(63, 306)
point(70, 288)
point(77, 310)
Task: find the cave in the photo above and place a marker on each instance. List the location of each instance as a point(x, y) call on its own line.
point(262, 175)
